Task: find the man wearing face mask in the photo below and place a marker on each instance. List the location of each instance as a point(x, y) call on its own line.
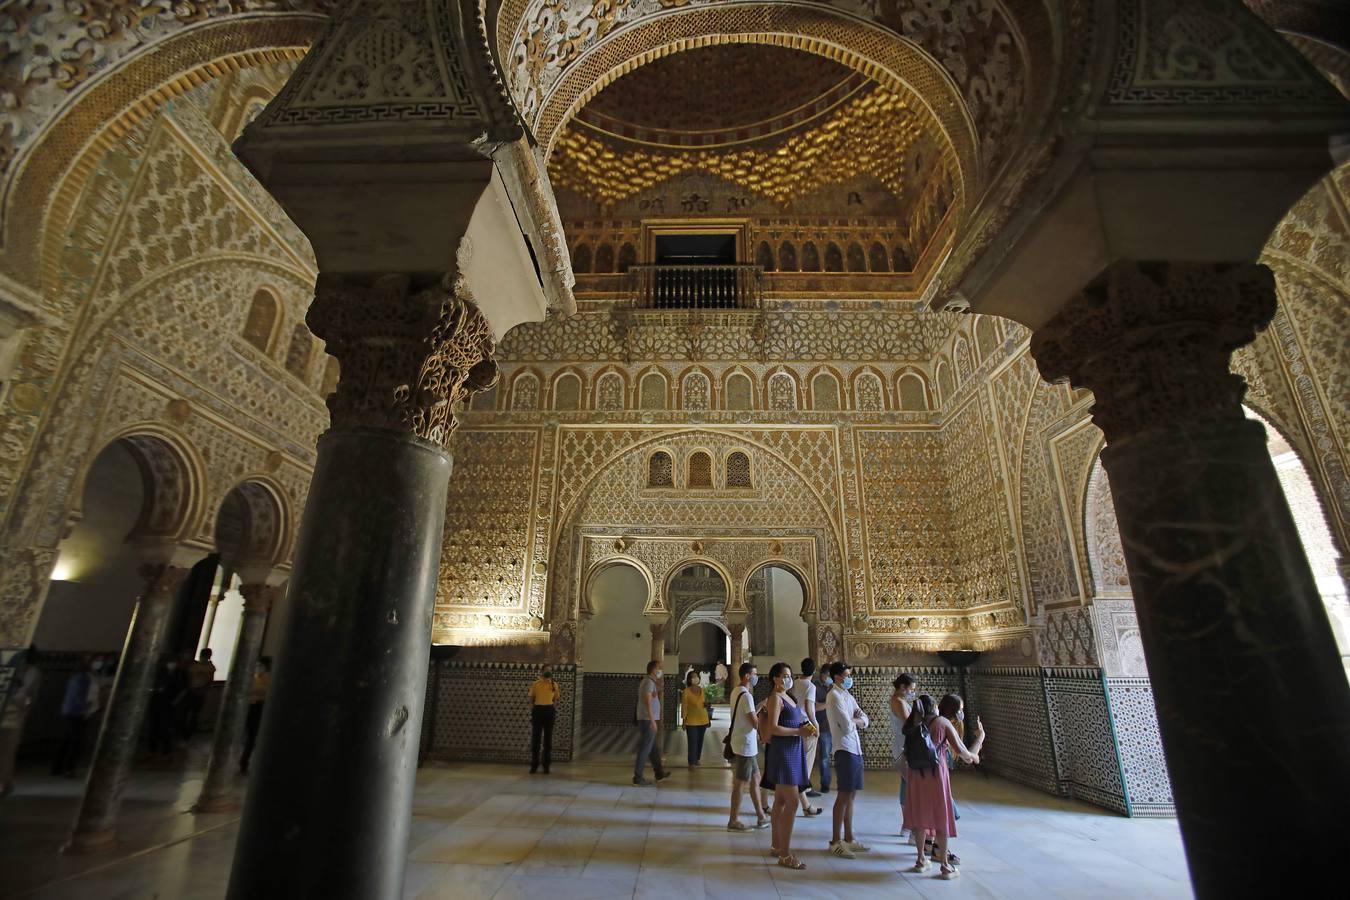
point(544, 695)
point(649, 726)
point(744, 742)
point(846, 720)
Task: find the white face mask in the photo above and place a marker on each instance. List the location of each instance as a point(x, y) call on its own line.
point(961, 716)
point(754, 680)
point(658, 673)
point(787, 682)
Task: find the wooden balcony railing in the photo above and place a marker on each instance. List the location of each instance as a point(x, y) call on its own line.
point(696, 287)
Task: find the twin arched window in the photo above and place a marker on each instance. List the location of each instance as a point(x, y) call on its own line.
point(698, 470)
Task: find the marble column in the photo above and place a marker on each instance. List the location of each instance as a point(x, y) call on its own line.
point(737, 629)
point(219, 793)
point(119, 737)
point(1252, 701)
point(658, 630)
point(329, 801)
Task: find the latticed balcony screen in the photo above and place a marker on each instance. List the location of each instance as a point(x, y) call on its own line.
point(695, 287)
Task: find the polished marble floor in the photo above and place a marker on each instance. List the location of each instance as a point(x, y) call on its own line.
point(485, 831)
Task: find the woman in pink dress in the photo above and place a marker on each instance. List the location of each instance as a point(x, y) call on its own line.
point(928, 802)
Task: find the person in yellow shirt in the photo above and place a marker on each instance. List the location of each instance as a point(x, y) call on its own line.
point(694, 714)
point(544, 695)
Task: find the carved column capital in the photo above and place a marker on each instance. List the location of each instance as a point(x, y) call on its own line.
point(259, 597)
point(1152, 341)
point(408, 354)
point(162, 580)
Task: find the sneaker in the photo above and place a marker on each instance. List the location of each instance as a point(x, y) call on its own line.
point(642, 781)
point(763, 823)
point(841, 850)
point(739, 826)
point(662, 776)
point(950, 873)
point(920, 867)
point(857, 846)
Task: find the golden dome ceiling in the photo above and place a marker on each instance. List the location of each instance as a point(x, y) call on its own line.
point(781, 123)
point(720, 94)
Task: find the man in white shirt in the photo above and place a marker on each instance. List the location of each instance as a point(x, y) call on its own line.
point(744, 734)
point(804, 692)
point(846, 719)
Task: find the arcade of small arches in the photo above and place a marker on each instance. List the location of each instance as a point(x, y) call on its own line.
point(323, 338)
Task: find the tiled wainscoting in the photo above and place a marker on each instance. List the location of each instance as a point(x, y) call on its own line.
point(1065, 731)
point(481, 711)
point(610, 698)
point(1071, 732)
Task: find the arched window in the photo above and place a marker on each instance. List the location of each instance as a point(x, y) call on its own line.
point(877, 261)
point(331, 371)
point(740, 392)
point(857, 262)
point(604, 259)
point(867, 393)
point(627, 257)
point(660, 471)
point(900, 260)
point(652, 391)
point(738, 470)
point(782, 392)
point(764, 256)
point(609, 391)
point(262, 320)
point(567, 392)
point(700, 470)
point(964, 365)
point(581, 259)
point(834, 258)
point(525, 391)
point(912, 392)
point(986, 336)
point(696, 391)
point(825, 392)
point(946, 386)
point(810, 258)
point(787, 257)
point(297, 355)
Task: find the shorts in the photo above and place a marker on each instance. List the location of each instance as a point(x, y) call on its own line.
point(848, 771)
point(745, 767)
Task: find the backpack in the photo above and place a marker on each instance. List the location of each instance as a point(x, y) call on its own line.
point(920, 754)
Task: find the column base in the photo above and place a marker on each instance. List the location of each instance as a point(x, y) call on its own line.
point(220, 804)
point(91, 841)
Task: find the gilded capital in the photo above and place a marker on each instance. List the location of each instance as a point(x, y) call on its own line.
point(259, 597)
point(1153, 340)
point(408, 355)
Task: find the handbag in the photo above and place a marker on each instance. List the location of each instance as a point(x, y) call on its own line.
point(727, 753)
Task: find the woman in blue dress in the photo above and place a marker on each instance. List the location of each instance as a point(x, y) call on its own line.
point(784, 725)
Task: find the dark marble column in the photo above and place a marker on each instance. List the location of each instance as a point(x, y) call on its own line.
point(219, 793)
point(119, 737)
point(329, 799)
point(1252, 701)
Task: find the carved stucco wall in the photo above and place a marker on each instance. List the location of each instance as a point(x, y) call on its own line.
point(142, 332)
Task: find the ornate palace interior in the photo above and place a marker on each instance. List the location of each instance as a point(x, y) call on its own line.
point(416, 344)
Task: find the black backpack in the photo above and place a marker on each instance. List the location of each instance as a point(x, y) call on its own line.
point(920, 754)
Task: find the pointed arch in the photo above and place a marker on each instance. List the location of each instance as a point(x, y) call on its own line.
point(876, 258)
point(787, 257)
point(856, 260)
point(834, 258)
point(810, 257)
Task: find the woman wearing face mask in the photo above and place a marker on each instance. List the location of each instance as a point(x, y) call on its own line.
point(900, 706)
point(784, 725)
point(694, 715)
point(928, 805)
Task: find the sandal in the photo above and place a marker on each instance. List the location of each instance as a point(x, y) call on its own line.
point(812, 811)
point(919, 867)
point(949, 873)
point(930, 850)
point(791, 862)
